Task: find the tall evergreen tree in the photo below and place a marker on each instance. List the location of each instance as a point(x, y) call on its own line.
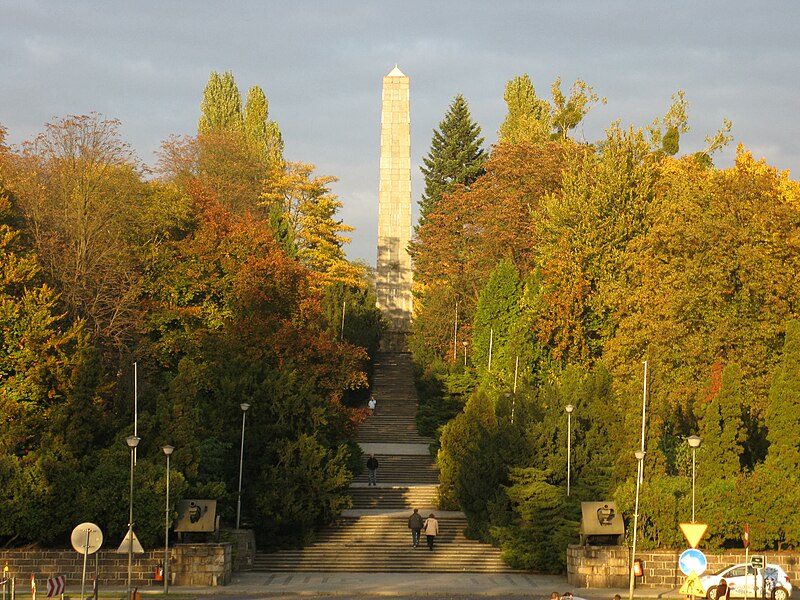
point(723, 429)
point(455, 158)
point(783, 410)
point(222, 105)
point(498, 309)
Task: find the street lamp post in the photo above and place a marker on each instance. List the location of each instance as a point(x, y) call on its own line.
point(694, 444)
point(569, 408)
point(465, 352)
point(167, 451)
point(132, 442)
point(244, 406)
point(639, 454)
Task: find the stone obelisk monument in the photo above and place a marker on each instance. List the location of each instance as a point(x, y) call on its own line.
point(393, 277)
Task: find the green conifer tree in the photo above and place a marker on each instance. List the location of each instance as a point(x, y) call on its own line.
point(497, 311)
point(783, 410)
point(455, 158)
point(723, 429)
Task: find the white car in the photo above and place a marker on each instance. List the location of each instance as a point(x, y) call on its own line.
point(744, 580)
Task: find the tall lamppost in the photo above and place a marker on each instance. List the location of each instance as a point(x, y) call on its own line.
point(694, 444)
point(639, 454)
point(569, 408)
point(132, 442)
point(167, 451)
point(244, 406)
point(465, 352)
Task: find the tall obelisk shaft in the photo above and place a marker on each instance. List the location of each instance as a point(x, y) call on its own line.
point(393, 281)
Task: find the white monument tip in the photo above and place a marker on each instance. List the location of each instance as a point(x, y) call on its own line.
point(396, 73)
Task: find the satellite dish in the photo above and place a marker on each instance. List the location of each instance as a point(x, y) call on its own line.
point(86, 538)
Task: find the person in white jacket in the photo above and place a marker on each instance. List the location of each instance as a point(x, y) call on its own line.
point(431, 529)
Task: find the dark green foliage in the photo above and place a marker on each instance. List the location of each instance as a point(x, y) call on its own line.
point(670, 143)
point(438, 401)
point(304, 488)
point(783, 410)
point(497, 311)
point(538, 534)
point(364, 324)
point(455, 158)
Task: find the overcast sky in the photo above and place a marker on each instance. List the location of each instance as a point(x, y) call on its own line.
point(321, 66)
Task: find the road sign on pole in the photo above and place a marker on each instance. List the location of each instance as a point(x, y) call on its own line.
point(693, 586)
point(693, 561)
point(693, 532)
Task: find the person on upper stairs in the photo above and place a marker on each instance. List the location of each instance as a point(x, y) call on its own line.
point(415, 524)
point(372, 470)
point(372, 404)
point(431, 529)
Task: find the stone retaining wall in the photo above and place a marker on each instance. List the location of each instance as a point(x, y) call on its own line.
point(608, 566)
point(191, 564)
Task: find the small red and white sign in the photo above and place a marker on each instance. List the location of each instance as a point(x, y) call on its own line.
point(56, 586)
point(746, 535)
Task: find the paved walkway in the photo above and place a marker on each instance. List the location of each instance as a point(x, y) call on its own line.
point(447, 585)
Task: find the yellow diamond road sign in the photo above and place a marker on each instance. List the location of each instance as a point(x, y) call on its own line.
point(693, 532)
point(693, 586)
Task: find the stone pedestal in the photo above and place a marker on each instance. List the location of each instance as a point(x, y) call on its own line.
point(598, 566)
point(243, 543)
point(202, 564)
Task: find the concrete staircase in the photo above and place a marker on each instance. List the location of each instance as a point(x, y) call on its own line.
point(373, 535)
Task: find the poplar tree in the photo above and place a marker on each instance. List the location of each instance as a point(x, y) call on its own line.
point(528, 118)
point(263, 135)
point(456, 157)
point(221, 106)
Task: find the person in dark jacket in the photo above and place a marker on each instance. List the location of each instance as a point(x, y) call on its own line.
point(415, 524)
point(372, 470)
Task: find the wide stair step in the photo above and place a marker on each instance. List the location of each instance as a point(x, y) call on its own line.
point(382, 543)
point(403, 469)
point(423, 497)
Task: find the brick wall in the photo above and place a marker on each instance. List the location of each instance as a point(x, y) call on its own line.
point(608, 566)
point(191, 564)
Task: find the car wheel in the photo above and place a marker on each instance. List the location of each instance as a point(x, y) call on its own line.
point(712, 593)
point(780, 594)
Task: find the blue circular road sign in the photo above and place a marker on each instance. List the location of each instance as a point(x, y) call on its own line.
point(693, 560)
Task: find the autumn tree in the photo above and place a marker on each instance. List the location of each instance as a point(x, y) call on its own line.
point(528, 118)
point(79, 189)
point(308, 207)
point(456, 157)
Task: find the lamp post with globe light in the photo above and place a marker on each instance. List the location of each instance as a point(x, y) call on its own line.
point(569, 408)
point(167, 452)
point(639, 454)
point(244, 406)
point(694, 444)
point(132, 442)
